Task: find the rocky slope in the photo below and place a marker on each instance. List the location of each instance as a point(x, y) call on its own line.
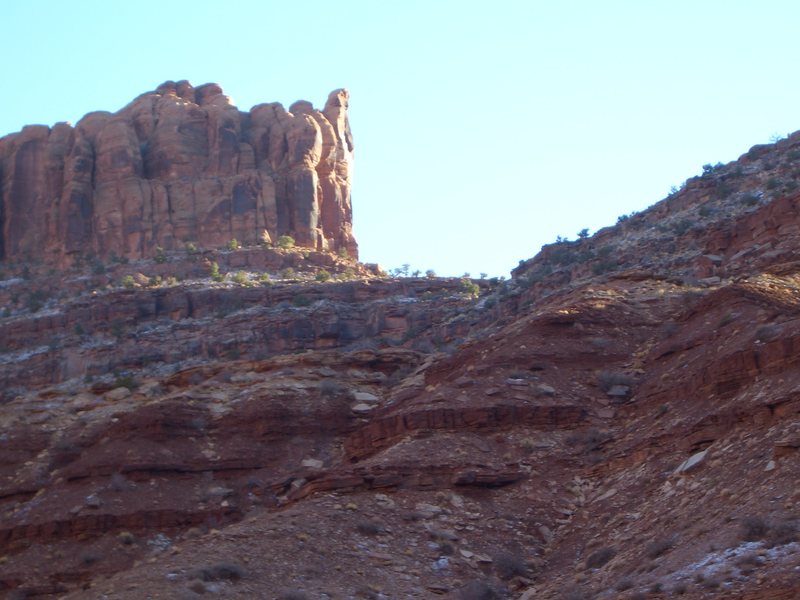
point(608, 424)
point(177, 165)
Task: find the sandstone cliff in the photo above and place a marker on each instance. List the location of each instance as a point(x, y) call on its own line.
point(180, 164)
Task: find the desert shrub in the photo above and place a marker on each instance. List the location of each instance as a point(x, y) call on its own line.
point(750, 199)
point(782, 533)
point(603, 266)
point(682, 226)
point(723, 189)
point(286, 242)
point(329, 387)
point(155, 281)
point(128, 282)
point(36, 300)
point(430, 274)
point(566, 255)
point(510, 564)
point(191, 248)
point(623, 584)
point(233, 244)
point(215, 274)
point(479, 590)
point(226, 571)
point(589, 440)
point(705, 211)
point(301, 301)
point(768, 332)
point(608, 379)
point(322, 276)
point(125, 537)
point(294, 595)
point(288, 273)
point(98, 268)
point(659, 547)
point(126, 381)
point(709, 169)
point(120, 483)
point(160, 257)
point(600, 557)
point(754, 528)
point(470, 288)
point(240, 278)
point(370, 527)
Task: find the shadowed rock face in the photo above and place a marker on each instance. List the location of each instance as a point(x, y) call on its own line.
point(178, 164)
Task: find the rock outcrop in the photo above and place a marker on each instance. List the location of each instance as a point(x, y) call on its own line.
point(180, 164)
point(620, 420)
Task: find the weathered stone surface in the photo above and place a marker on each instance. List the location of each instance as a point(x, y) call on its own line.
point(692, 463)
point(178, 164)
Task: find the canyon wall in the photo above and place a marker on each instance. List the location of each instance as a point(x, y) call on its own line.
point(179, 164)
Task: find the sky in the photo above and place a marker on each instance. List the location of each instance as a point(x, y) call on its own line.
point(482, 130)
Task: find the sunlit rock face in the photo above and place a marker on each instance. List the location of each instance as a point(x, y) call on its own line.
point(179, 164)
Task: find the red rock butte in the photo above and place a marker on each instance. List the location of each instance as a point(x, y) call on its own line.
point(179, 164)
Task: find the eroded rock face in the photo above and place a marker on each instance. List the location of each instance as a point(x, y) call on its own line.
point(179, 164)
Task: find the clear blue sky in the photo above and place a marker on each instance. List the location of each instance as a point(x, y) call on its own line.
point(482, 129)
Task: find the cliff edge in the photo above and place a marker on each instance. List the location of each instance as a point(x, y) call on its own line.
point(179, 164)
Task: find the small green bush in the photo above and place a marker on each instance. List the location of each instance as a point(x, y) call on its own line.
point(126, 381)
point(240, 278)
point(160, 257)
point(323, 276)
point(233, 244)
point(128, 282)
point(469, 288)
point(215, 274)
point(286, 242)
